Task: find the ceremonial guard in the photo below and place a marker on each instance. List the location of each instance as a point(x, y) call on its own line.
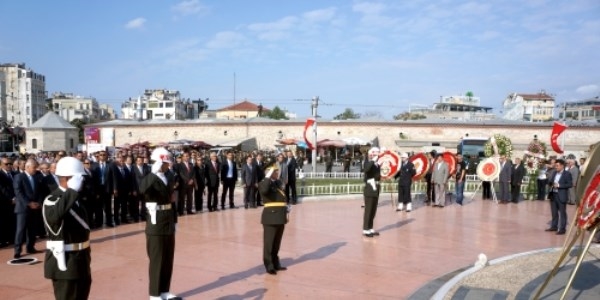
point(404, 177)
point(160, 225)
point(372, 175)
point(68, 256)
point(274, 217)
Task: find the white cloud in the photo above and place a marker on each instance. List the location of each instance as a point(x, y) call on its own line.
point(588, 89)
point(368, 8)
point(277, 30)
point(137, 23)
point(320, 15)
point(225, 39)
point(189, 7)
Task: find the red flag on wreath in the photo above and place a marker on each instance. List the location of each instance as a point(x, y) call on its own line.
point(309, 123)
point(557, 130)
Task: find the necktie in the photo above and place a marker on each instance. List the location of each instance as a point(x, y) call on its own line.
point(102, 173)
point(31, 182)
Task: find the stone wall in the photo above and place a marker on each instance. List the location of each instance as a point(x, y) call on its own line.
point(577, 138)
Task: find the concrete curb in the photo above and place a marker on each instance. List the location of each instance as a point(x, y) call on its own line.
point(443, 291)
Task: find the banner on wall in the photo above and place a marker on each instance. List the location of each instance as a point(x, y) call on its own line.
point(107, 136)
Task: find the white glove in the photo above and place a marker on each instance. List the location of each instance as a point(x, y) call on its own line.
point(75, 182)
point(156, 167)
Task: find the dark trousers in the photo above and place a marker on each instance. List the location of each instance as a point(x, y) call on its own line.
point(271, 243)
point(211, 201)
point(184, 199)
point(78, 289)
point(504, 194)
point(486, 190)
point(257, 197)
point(559, 213)
point(120, 208)
point(199, 198)
point(7, 224)
point(249, 193)
point(370, 211)
point(290, 191)
point(404, 194)
point(228, 186)
point(430, 189)
point(541, 188)
point(105, 199)
point(161, 252)
point(26, 231)
point(515, 192)
point(134, 207)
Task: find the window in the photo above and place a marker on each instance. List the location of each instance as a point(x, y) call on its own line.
point(168, 104)
point(153, 105)
point(34, 143)
point(72, 143)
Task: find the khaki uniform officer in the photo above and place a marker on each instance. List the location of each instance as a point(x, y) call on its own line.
point(160, 225)
point(274, 217)
point(68, 257)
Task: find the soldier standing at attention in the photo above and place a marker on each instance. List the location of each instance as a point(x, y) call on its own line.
point(274, 217)
point(372, 176)
point(68, 257)
point(160, 225)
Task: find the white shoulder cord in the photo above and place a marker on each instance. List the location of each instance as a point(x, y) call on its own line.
point(48, 202)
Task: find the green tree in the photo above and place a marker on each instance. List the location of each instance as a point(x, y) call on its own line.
point(275, 113)
point(79, 123)
point(347, 115)
point(409, 116)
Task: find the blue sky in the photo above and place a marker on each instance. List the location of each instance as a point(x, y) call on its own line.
point(371, 56)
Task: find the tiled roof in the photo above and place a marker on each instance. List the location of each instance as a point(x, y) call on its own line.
point(242, 106)
point(52, 120)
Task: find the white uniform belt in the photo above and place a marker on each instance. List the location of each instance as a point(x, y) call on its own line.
point(77, 246)
point(163, 207)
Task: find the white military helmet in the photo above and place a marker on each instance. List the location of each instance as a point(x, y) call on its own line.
point(161, 154)
point(69, 166)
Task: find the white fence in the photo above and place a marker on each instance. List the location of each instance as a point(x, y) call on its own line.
point(417, 188)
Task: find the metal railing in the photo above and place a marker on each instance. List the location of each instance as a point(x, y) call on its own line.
point(417, 188)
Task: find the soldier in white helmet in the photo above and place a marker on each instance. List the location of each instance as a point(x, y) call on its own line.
point(68, 257)
point(372, 175)
point(160, 225)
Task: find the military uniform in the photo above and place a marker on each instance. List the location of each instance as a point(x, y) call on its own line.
point(65, 221)
point(160, 234)
point(372, 173)
point(274, 217)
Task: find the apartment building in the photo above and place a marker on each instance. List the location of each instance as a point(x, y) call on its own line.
point(22, 94)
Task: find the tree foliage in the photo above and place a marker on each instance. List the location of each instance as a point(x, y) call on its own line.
point(409, 116)
point(276, 113)
point(79, 123)
point(347, 115)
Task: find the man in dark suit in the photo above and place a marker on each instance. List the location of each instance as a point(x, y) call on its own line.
point(328, 163)
point(229, 175)
point(274, 217)
point(372, 175)
point(404, 176)
point(199, 182)
point(516, 180)
point(185, 196)
point(260, 174)
point(27, 207)
point(50, 181)
point(101, 175)
point(249, 182)
point(88, 195)
point(7, 203)
point(504, 179)
point(212, 174)
point(560, 182)
point(290, 186)
point(121, 188)
point(140, 170)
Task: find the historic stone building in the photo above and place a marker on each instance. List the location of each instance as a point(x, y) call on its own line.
point(401, 135)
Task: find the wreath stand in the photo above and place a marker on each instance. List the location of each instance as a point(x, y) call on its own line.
point(494, 198)
point(586, 219)
point(579, 234)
